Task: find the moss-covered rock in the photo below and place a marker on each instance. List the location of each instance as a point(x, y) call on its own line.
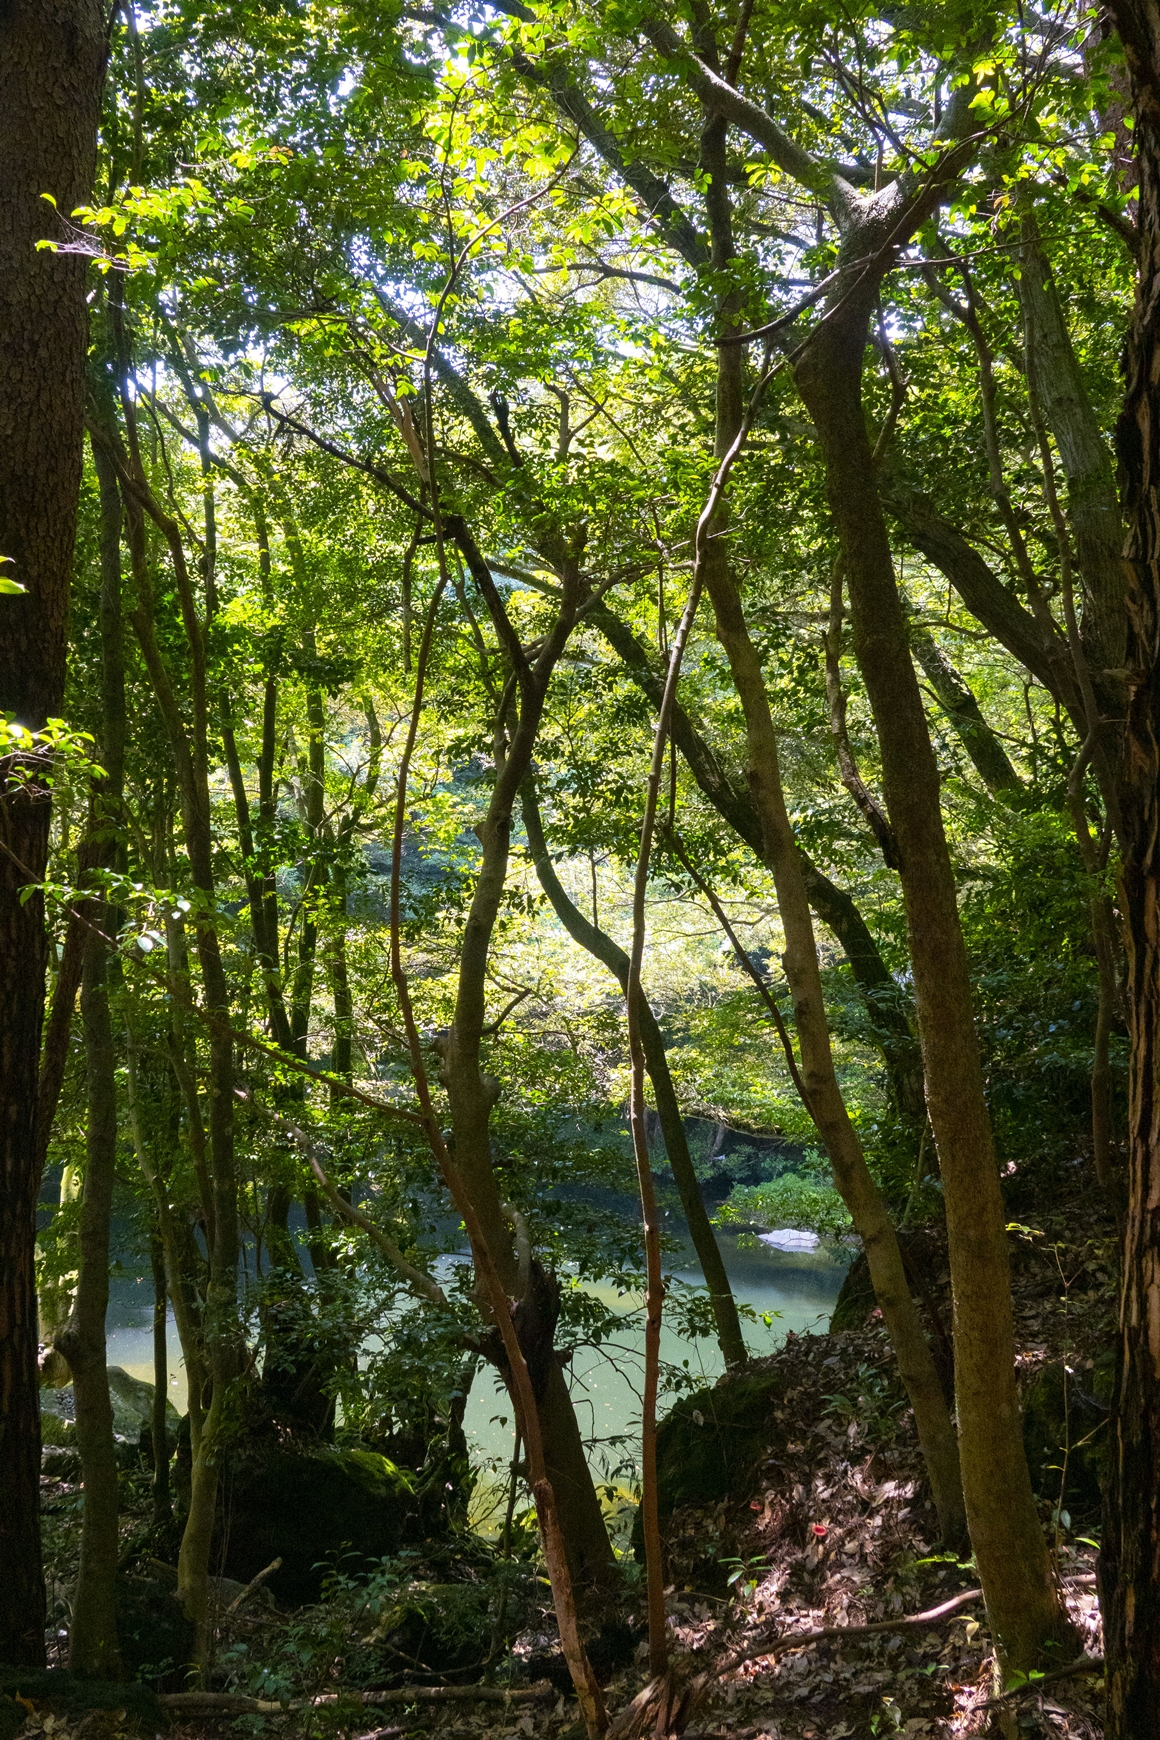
point(57, 1431)
point(60, 1692)
point(711, 1441)
point(314, 1508)
point(708, 1447)
point(61, 1461)
point(855, 1300)
point(132, 1400)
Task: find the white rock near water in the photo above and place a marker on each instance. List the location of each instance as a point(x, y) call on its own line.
point(790, 1238)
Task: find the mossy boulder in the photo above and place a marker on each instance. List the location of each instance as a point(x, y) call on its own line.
point(855, 1299)
point(709, 1443)
point(132, 1400)
point(61, 1461)
point(315, 1508)
point(56, 1430)
point(708, 1448)
point(1067, 1413)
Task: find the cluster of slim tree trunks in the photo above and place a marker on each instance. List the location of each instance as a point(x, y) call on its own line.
point(52, 60)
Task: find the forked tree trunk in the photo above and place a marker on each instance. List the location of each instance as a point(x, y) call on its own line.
point(1130, 1561)
point(824, 1100)
point(51, 64)
point(1023, 1600)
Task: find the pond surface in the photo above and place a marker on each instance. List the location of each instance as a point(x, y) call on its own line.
point(796, 1290)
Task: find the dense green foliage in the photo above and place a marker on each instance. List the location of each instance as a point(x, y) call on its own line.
point(373, 289)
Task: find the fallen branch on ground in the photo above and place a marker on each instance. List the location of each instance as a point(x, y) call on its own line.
point(797, 1640)
point(230, 1703)
point(254, 1583)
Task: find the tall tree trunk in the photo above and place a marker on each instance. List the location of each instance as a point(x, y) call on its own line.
point(1130, 1561)
point(158, 1430)
point(223, 1342)
point(94, 1652)
point(1023, 1601)
point(51, 66)
point(822, 1093)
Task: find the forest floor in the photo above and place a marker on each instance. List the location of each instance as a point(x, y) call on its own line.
point(832, 1530)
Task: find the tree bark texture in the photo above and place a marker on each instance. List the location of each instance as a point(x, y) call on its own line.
point(1023, 1601)
point(94, 1652)
point(1130, 1561)
point(51, 66)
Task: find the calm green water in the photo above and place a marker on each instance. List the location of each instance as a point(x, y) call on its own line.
point(796, 1290)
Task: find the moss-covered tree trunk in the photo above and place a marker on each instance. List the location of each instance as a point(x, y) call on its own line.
point(94, 1651)
point(1130, 1561)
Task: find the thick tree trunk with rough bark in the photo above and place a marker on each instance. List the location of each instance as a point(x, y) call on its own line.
point(1023, 1600)
point(1130, 1561)
point(51, 64)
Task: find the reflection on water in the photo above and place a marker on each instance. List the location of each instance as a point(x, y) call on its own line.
point(795, 1289)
